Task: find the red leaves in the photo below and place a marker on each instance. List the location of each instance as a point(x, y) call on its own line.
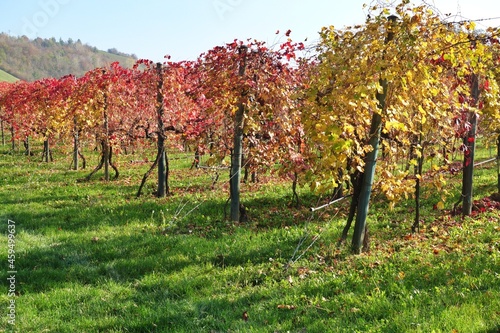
point(233, 45)
point(441, 61)
point(267, 83)
point(288, 32)
point(480, 206)
point(467, 160)
point(486, 85)
point(288, 49)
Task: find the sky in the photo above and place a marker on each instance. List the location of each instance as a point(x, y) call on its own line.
point(184, 29)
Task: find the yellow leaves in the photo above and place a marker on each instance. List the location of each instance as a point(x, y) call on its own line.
point(367, 148)
point(425, 67)
point(396, 186)
point(418, 151)
point(434, 91)
point(322, 187)
point(470, 25)
point(422, 114)
point(394, 125)
point(439, 183)
point(403, 101)
point(409, 76)
point(328, 34)
point(348, 129)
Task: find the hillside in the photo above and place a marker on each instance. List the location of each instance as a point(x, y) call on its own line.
point(4, 76)
point(31, 60)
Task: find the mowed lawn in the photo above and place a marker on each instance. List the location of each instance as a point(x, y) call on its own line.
point(91, 257)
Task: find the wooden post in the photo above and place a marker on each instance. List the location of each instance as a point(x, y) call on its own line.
point(358, 238)
point(418, 173)
point(3, 134)
point(75, 144)
point(369, 175)
point(12, 138)
point(470, 144)
point(498, 163)
point(105, 144)
point(162, 189)
point(238, 147)
point(46, 150)
point(27, 146)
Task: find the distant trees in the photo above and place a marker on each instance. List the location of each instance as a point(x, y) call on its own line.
point(32, 60)
point(123, 54)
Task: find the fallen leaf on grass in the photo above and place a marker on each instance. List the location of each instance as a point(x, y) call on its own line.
point(303, 272)
point(286, 307)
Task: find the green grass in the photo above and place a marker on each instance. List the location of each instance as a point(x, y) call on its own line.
point(90, 257)
point(123, 60)
point(4, 76)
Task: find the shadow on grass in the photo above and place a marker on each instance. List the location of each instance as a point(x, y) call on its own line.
point(90, 260)
point(73, 211)
point(206, 314)
point(89, 242)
